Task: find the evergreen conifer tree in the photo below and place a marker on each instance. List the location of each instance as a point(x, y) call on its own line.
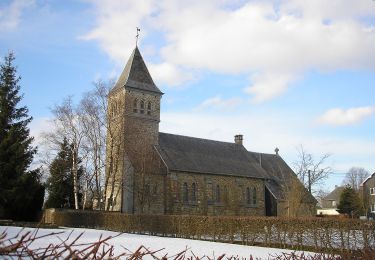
point(350, 203)
point(60, 182)
point(21, 194)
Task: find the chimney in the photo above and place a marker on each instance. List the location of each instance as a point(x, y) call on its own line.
point(277, 151)
point(238, 139)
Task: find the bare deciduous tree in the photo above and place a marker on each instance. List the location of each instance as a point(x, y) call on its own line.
point(311, 171)
point(355, 176)
point(67, 125)
point(93, 110)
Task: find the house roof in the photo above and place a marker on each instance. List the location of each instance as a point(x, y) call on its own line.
point(136, 76)
point(335, 194)
point(278, 174)
point(368, 178)
point(189, 154)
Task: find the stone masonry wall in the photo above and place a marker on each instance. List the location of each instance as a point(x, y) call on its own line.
point(215, 195)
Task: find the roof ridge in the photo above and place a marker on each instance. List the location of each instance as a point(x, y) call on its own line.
point(264, 153)
point(199, 138)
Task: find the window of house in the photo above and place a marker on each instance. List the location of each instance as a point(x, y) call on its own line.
point(254, 201)
point(194, 192)
point(372, 191)
point(149, 108)
point(175, 190)
point(225, 195)
point(373, 208)
point(135, 105)
point(113, 109)
point(185, 193)
point(147, 189)
point(142, 109)
point(155, 191)
point(218, 199)
point(248, 195)
point(209, 192)
point(333, 203)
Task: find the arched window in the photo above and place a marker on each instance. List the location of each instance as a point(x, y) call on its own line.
point(135, 105)
point(185, 193)
point(218, 193)
point(248, 195)
point(142, 109)
point(226, 195)
point(147, 189)
point(149, 108)
point(254, 196)
point(194, 192)
point(113, 110)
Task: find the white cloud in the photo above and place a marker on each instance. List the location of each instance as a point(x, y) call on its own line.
point(266, 86)
point(116, 25)
point(219, 103)
point(169, 74)
point(10, 15)
point(277, 42)
point(38, 126)
point(338, 116)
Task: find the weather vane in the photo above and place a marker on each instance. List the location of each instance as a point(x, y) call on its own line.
point(136, 37)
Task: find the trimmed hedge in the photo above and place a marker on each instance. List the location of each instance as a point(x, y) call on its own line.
point(318, 234)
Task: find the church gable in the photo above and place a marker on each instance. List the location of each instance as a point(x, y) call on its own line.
point(279, 175)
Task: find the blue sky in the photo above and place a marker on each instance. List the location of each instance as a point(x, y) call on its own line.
point(282, 73)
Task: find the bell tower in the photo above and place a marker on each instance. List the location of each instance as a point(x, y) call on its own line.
point(133, 130)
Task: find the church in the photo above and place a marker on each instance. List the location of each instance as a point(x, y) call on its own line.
point(149, 172)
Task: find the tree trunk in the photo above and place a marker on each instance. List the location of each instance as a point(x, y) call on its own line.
point(75, 178)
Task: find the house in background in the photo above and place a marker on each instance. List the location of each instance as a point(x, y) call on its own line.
point(367, 190)
point(330, 202)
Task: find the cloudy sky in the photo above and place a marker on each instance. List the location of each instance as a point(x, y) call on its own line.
point(283, 73)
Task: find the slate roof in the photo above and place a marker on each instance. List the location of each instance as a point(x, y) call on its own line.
point(135, 75)
point(335, 194)
point(278, 174)
point(189, 154)
point(368, 178)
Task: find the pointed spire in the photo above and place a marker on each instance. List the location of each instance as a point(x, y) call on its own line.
point(135, 75)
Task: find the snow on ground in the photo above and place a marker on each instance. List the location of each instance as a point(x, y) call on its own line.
point(132, 242)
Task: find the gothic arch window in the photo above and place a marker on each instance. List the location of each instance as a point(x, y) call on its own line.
point(142, 107)
point(147, 189)
point(254, 202)
point(248, 195)
point(149, 108)
point(114, 108)
point(135, 105)
point(218, 199)
point(226, 195)
point(185, 193)
point(194, 192)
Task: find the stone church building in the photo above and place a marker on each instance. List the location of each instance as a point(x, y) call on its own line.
point(160, 173)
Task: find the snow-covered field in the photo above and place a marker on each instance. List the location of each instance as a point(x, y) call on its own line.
point(131, 242)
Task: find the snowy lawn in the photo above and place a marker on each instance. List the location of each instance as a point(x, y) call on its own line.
point(130, 242)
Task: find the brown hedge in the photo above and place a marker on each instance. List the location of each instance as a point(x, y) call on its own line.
point(317, 234)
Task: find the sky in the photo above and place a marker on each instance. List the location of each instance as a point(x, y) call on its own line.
point(283, 73)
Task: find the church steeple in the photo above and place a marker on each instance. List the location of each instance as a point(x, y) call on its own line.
point(136, 76)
